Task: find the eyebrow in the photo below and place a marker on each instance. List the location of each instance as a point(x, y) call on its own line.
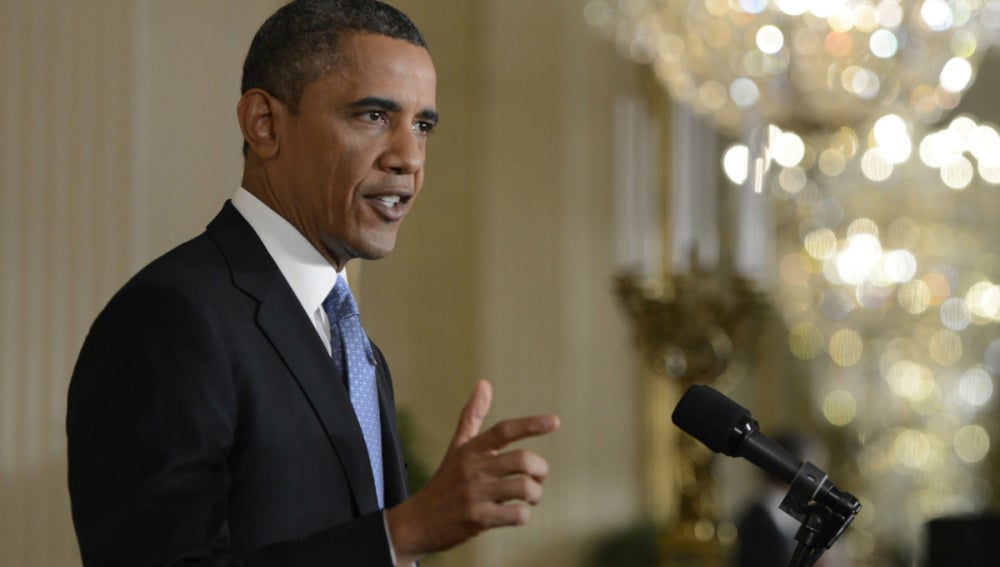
point(390, 105)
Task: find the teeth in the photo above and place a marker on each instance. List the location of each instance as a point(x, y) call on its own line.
point(391, 200)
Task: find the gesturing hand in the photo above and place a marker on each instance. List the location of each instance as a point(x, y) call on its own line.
point(477, 486)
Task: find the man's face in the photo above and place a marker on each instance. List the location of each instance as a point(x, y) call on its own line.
point(351, 162)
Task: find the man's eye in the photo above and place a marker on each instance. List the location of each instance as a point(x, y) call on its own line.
point(375, 115)
point(424, 127)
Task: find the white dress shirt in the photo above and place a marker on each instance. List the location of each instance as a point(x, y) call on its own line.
point(308, 273)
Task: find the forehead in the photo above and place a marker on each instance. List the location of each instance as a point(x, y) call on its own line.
point(377, 65)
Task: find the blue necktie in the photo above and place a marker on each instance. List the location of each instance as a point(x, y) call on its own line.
point(349, 344)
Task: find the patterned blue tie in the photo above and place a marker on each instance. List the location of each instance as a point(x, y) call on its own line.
point(350, 344)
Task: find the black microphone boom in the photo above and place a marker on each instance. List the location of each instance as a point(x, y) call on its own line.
point(727, 427)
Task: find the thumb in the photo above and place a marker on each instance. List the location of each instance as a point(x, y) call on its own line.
point(473, 414)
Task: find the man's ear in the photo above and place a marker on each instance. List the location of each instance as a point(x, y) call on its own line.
point(256, 114)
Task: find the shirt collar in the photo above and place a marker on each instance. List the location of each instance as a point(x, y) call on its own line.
point(308, 273)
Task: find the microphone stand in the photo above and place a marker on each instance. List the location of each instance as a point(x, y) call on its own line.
point(821, 525)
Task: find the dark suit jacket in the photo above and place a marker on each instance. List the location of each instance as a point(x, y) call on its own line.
point(207, 425)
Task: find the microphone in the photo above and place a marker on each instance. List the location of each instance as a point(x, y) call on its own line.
point(727, 427)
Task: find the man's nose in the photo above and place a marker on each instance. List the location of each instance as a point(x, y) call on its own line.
point(405, 153)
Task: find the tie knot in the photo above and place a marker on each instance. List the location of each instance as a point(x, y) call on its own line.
point(339, 304)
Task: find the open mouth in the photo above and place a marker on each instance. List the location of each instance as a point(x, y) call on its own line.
point(391, 207)
point(389, 200)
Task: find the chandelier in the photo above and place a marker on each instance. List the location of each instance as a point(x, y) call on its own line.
point(805, 65)
point(891, 294)
point(888, 276)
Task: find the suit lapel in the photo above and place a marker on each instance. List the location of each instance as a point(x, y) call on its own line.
point(281, 319)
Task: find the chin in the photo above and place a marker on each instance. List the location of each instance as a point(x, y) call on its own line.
point(376, 248)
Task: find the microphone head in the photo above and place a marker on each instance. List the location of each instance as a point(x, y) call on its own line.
point(712, 418)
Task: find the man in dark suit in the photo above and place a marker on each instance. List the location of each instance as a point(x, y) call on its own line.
point(207, 422)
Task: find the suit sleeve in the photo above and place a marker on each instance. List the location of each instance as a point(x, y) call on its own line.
point(152, 415)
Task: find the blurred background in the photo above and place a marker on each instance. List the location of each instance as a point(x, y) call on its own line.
point(792, 201)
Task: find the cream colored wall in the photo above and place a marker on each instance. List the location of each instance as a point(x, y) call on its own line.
point(120, 141)
point(64, 168)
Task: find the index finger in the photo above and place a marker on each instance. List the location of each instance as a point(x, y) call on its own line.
point(510, 430)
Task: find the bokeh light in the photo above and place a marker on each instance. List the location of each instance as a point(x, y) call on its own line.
point(972, 443)
point(840, 407)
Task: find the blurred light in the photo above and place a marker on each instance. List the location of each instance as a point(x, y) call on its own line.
point(929, 399)
point(972, 443)
point(805, 341)
point(946, 347)
point(865, 17)
point(735, 162)
point(854, 264)
point(939, 287)
point(717, 7)
point(875, 166)
point(964, 44)
point(883, 43)
point(890, 132)
point(900, 265)
point(744, 92)
point(956, 75)
point(963, 127)
point(910, 449)
point(958, 174)
point(788, 149)
point(832, 162)
point(770, 40)
point(984, 300)
point(840, 407)
point(846, 347)
point(955, 314)
point(704, 529)
point(711, 95)
point(984, 143)
point(793, 7)
point(976, 387)
point(936, 14)
point(989, 173)
point(910, 380)
point(792, 180)
point(821, 243)
point(862, 226)
point(838, 44)
point(890, 14)
point(842, 19)
point(914, 296)
point(727, 533)
point(753, 6)
point(991, 358)
point(861, 81)
point(940, 148)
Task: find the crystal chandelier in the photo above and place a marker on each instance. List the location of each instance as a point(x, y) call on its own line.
point(805, 65)
point(888, 275)
point(891, 294)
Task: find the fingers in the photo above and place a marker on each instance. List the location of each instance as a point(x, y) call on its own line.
point(519, 462)
point(516, 488)
point(508, 515)
point(473, 413)
point(511, 430)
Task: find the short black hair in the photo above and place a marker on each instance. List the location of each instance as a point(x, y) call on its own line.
point(300, 43)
